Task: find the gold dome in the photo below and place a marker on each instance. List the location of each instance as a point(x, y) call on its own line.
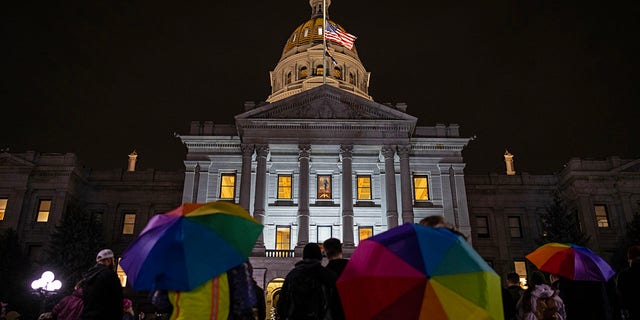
point(310, 33)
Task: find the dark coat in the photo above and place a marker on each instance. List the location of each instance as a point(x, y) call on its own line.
point(102, 294)
point(585, 300)
point(70, 307)
point(314, 268)
point(337, 266)
point(628, 285)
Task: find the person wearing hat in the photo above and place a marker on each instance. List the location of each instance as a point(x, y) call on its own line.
point(102, 293)
point(309, 290)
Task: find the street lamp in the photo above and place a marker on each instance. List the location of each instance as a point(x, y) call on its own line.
point(45, 286)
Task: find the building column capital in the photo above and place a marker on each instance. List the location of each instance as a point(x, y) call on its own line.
point(262, 150)
point(305, 151)
point(404, 150)
point(388, 151)
point(247, 149)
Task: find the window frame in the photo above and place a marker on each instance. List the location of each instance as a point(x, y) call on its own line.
point(607, 220)
point(4, 203)
point(284, 187)
point(40, 212)
point(363, 228)
point(277, 244)
point(319, 195)
point(512, 228)
point(128, 228)
point(415, 188)
point(487, 234)
point(329, 227)
point(358, 187)
point(224, 187)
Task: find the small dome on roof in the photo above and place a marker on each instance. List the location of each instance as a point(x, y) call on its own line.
point(308, 33)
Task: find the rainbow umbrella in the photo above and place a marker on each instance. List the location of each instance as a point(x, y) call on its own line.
point(183, 248)
point(419, 272)
point(571, 261)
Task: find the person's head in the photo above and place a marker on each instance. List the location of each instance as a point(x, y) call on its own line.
point(312, 251)
point(433, 221)
point(633, 254)
point(105, 257)
point(513, 279)
point(332, 248)
point(536, 278)
point(13, 315)
point(126, 304)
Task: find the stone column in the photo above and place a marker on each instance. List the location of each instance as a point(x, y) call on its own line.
point(405, 183)
point(191, 176)
point(347, 198)
point(262, 151)
point(245, 178)
point(390, 186)
point(462, 220)
point(303, 197)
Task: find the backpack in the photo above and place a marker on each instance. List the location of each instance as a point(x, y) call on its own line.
point(308, 298)
point(546, 308)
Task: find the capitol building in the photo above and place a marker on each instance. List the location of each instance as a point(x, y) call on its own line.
point(319, 159)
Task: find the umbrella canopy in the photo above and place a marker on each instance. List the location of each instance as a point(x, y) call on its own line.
point(183, 248)
point(419, 272)
point(571, 261)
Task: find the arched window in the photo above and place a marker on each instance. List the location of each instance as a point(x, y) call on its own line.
point(303, 72)
point(293, 38)
point(337, 72)
point(319, 70)
point(305, 32)
point(288, 78)
point(352, 78)
point(319, 30)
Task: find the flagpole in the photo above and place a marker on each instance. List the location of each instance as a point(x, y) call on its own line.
point(324, 42)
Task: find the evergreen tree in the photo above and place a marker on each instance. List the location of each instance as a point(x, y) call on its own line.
point(15, 270)
point(560, 224)
point(631, 238)
point(73, 245)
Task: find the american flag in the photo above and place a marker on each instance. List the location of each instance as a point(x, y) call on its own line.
point(334, 33)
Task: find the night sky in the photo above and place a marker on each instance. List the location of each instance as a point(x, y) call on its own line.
point(549, 80)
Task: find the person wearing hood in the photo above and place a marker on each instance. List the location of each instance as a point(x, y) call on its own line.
point(102, 292)
point(309, 290)
point(70, 307)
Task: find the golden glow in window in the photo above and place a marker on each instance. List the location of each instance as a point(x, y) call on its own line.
point(283, 238)
point(129, 223)
point(364, 187)
point(121, 274)
point(3, 208)
point(284, 186)
point(365, 232)
point(421, 188)
point(43, 210)
point(324, 187)
point(228, 186)
point(602, 216)
point(521, 269)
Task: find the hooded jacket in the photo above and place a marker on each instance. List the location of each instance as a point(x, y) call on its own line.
point(102, 294)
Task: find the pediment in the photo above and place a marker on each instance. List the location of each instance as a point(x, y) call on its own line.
point(325, 102)
point(9, 160)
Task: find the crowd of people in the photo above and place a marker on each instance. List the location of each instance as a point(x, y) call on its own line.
point(559, 298)
point(309, 292)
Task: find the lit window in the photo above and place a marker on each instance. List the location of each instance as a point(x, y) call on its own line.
point(515, 229)
point(420, 188)
point(121, 274)
point(305, 32)
point(602, 216)
point(283, 238)
point(364, 233)
point(128, 223)
point(482, 227)
point(303, 72)
point(324, 187)
point(3, 208)
point(288, 78)
point(337, 72)
point(319, 30)
point(352, 78)
point(319, 70)
point(324, 233)
point(228, 186)
point(293, 39)
point(364, 187)
point(284, 186)
point(44, 207)
point(521, 269)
